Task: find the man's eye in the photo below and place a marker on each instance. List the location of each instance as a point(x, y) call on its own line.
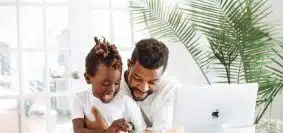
point(152, 82)
point(136, 78)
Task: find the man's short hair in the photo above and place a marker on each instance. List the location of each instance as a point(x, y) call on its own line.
point(151, 54)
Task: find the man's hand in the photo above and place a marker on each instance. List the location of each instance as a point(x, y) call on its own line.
point(99, 123)
point(120, 125)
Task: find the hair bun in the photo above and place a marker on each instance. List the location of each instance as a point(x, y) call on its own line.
point(101, 47)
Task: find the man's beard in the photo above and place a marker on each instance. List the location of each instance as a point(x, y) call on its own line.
point(126, 76)
point(148, 93)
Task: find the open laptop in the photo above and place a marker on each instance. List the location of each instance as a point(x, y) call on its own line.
point(204, 109)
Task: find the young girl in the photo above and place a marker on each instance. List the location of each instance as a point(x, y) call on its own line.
point(100, 110)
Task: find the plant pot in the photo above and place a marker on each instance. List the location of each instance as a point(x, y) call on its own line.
point(269, 126)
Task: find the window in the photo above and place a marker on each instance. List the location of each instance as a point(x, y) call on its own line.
point(35, 61)
point(33, 65)
point(111, 19)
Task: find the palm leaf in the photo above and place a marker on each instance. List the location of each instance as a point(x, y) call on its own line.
point(238, 33)
point(277, 66)
point(171, 23)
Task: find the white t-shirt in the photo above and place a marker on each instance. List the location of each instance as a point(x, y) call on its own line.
point(122, 106)
point(159, 106)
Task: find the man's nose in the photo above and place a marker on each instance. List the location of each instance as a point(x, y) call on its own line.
point(144, 87)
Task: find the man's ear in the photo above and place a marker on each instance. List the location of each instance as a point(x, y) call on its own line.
point(129, 64)
point(87, 79)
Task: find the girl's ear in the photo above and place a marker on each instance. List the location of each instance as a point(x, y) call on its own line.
point(87, 78)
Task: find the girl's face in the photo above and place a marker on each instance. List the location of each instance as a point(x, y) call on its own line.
point(105, 83)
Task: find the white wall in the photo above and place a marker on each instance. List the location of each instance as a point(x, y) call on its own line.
point(182, 66)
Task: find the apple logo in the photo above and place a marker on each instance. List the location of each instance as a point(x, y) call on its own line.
point(215, 114)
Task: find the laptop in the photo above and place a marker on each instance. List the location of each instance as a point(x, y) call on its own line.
point(204, 109)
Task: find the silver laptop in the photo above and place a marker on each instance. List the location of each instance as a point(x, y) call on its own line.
point(204, 109)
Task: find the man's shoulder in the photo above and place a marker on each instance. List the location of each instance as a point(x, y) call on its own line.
point(166, 90)
point(168, 84)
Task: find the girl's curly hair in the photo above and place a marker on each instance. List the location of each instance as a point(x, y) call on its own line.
point(105, 53)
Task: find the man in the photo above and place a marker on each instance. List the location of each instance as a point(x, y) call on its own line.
point(147, 83)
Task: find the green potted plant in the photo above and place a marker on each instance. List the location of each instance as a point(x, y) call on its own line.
point(241, 46)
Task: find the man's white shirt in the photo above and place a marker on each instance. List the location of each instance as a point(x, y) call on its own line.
point(122, 106)
point(159, 106)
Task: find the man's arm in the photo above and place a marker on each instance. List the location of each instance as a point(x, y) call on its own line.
point(163, 116)
point(116, 126)
point(99, 123)
point(133, 113)
point(79, 127)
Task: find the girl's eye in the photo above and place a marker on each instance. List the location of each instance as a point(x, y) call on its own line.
point(105, 84)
